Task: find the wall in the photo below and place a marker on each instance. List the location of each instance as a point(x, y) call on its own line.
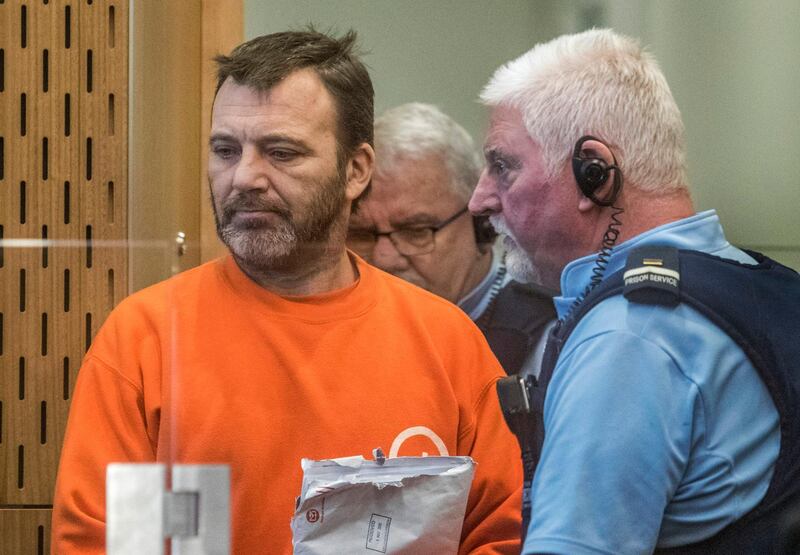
point(440, 52)
point(735, 76)
point(730, 65)
point(70, 224)
point(165, 141)
point(63, 215)
point(172, 49)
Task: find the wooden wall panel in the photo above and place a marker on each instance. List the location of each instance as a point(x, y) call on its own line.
point(223, 29)
point(69, 231)
point(63, 262)
point(102, 139)
point(165, 138)
point(25, 531)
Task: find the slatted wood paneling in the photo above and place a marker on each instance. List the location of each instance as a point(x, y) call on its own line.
point(63, 179)
point(25, 531)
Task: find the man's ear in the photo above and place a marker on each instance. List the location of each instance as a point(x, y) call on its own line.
point(359, 171)
point(585, 204)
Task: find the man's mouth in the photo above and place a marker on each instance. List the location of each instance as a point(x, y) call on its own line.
point(502, 230)
point(249, 211)
point(255, 217)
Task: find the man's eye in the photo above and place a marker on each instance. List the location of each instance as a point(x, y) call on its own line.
point(224, 152)
point(415, 235)
point(283, 155)
point(499, 167)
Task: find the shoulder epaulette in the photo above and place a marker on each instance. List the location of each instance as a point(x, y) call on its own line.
point(652, 276)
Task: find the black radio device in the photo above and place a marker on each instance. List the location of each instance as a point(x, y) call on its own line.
point(592, 173)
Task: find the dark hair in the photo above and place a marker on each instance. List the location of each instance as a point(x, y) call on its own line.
point(262, 62)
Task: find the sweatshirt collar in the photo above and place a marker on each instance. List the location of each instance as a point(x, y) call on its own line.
point(348, 302)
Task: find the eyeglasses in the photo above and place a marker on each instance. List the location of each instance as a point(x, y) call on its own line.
point(409, 241)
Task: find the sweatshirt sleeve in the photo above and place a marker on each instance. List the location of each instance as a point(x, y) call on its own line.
point(492, 523)
point(106, 424)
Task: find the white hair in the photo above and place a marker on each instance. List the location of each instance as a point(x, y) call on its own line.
point(603, 84)
point(415, 131)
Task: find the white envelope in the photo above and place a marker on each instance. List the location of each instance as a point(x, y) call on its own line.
point(404, 505)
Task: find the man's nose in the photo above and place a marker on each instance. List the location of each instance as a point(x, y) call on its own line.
point(386, 256)
point(250, 172)
point(484, 200)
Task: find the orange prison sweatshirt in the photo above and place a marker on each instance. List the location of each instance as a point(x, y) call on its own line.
point(208, 367)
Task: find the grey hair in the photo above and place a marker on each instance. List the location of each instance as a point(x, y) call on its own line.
point(415, 131)
point(603, 84)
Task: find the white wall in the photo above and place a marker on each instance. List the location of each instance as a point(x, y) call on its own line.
point(732, 65)
point(437, 51)
point(736, 77)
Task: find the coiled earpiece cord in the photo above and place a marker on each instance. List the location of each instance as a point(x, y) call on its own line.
point(601, 262)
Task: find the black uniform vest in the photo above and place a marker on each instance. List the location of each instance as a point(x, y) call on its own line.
point(758, 307)
point(514, 321)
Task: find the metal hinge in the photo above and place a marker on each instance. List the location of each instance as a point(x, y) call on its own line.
point(142, 514)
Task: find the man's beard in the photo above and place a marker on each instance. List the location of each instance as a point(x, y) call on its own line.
point(264, 246)
point(519, 265)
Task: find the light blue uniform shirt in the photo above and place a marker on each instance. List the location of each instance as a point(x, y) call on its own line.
point(658, 430)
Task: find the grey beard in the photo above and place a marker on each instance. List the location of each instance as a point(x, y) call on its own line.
point(260, 247)
point(518, 264)
point(273, 245)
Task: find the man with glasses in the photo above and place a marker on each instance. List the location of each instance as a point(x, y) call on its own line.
point(414, 224)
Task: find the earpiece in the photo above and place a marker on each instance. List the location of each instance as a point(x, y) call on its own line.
point(484, 232)
point(592, 173)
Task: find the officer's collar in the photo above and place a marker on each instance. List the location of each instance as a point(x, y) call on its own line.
point(699, 232)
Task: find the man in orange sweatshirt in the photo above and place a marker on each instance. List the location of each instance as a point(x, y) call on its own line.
point(291, 346)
